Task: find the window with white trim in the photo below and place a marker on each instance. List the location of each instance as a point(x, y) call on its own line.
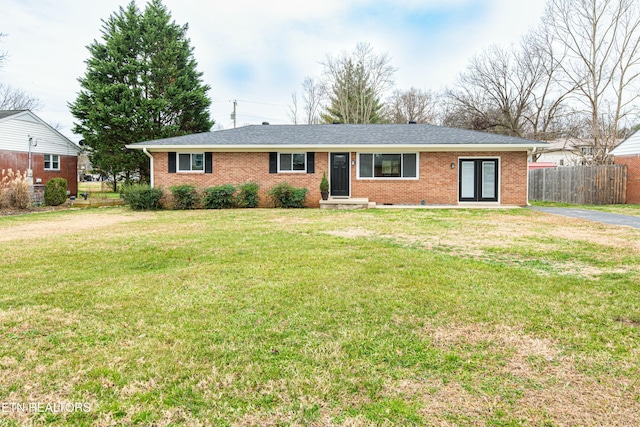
point(190, 162)
point(388, 166)
point(587, 151)
point(51, 162)
point(292, 162)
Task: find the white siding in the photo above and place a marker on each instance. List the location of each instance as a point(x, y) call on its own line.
point(569, 159)
point(629, 146)
point(15, 132)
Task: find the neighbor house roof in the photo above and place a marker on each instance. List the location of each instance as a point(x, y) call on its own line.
point(8, 113)
point(323, 137)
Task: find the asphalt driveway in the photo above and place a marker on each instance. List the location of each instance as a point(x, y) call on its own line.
point(596, 216)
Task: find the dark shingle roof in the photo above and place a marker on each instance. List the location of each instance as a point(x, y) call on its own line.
point(332, 135)
point(7, 113)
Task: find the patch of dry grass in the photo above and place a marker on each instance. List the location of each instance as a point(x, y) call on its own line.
point(504, 237)
point(311, 317)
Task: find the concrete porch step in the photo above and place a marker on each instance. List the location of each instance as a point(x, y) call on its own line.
point(346, 203)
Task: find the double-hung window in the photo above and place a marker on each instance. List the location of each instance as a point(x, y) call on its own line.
point(51, 162)
point(388, 166)
point(191, 162)
point(292, 162)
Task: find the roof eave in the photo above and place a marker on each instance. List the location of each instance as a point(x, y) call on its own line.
point(335, 147)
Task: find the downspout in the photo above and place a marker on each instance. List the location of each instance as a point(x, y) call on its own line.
point(529, 155)
point(144, 150)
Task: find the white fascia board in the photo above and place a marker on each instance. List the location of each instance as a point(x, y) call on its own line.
point(327, 148)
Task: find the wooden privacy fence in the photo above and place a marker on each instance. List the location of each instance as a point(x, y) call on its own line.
point(585, 185)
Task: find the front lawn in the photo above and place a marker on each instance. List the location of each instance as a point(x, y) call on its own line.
point(314, 317)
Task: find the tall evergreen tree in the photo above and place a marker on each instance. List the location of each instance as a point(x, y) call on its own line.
point(141, 83)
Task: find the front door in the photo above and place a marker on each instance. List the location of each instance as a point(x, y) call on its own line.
point(339, 179)
point(478, 180)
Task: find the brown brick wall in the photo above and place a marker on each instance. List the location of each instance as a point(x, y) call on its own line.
point(18, 160)
point(238, 168)
point(438, 183)
point(633, 176)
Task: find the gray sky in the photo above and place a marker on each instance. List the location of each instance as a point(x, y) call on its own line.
point(258, 52)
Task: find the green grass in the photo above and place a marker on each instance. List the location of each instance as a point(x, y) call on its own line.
point(619, 209)
point(97, 190)
point(313, 317)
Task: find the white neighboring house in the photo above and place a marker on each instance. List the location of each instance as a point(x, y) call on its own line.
point(566, 152)
point(628, 153)
point(27, 140)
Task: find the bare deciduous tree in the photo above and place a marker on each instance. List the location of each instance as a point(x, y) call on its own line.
point(293, 108)
point(547, 110)
point(413, 105)
point(356, 82)
point(312, 94)
point(3, 54)
point(602, 38)
point(17, 99)
point(513, 91)
point(489, 93)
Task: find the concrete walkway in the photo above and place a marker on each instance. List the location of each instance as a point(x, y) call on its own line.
point(596, 216)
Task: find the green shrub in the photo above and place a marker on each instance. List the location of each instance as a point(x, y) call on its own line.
point(219, 197)
point(142, 197)
point(55, 192)
point(248, 195)
point(284, 195)
point(185, 196)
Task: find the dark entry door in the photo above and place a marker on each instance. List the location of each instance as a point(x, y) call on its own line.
point(339, 182)
point(478, 180)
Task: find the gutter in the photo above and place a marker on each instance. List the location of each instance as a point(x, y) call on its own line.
point(144, 150)
point(335, 147)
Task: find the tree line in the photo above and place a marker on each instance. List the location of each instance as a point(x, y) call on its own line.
point(574, 75)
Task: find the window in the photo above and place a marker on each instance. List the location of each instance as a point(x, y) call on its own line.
point(191, 162)
point(587, 151)
point(399, 165)
point(52, 162)
point(292, 162)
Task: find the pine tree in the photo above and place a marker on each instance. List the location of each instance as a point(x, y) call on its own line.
point(141, 84)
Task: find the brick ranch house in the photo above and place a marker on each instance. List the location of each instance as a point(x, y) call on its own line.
point(628, 153)
point(387, 164)
point(52, 154)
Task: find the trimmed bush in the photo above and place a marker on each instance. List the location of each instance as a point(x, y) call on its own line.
point(185, 196)
point(248, 195)
point(55, 192)
point(219, 197)
point(284, 195)
point(141, 197)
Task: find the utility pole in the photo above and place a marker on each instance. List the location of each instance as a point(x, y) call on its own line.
point(233, 115)
point(32, 143)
